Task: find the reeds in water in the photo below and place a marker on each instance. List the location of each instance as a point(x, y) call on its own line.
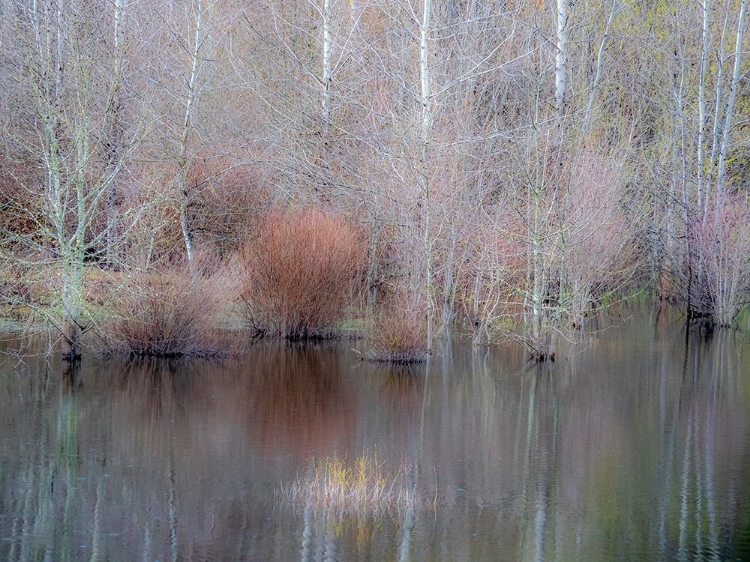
point(360, 487)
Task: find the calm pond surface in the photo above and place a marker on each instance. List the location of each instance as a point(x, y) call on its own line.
point(636, 447)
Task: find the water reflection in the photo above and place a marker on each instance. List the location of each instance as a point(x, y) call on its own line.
point(297, 399)
point(634, 447)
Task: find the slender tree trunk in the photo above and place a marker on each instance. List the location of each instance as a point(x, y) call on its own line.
point(538, 272)
point(716, 129)
point(561, 58)
point(728, 110)
point(115, 134)
point(183, 162)
point(327, 78)
point(702, 105)
point(72, 301)
point(588, 115)
point(426, 134)
point(679, 178)
point(75, 244)
point(547, 320)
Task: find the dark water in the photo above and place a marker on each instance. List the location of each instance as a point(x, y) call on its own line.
point(637, 447)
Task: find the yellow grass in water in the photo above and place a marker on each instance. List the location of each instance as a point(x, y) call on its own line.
point(361, 486)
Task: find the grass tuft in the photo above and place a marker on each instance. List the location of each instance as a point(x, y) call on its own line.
point(361, 487)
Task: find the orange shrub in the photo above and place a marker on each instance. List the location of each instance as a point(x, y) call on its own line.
point(303, 269)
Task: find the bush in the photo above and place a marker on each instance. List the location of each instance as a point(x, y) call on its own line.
point(303, 269)
point(723, 247)
point(169, 315)
point(399, 334)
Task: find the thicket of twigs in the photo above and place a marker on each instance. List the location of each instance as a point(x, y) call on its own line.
point(170, 314)
point(301, 273)
point(514, 185)
point(398, 334)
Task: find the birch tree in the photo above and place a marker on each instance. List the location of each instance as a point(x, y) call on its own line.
point(729, 110)
point(194, 45)
point(115, 136)
point(202, 129)
point(425, 101)
point(327, 74)
point(697, 225)
point(546, 191)
point(724, 247)
point(561, 57)
point(71, 89)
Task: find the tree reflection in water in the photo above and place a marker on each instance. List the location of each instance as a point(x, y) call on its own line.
point(634, 447)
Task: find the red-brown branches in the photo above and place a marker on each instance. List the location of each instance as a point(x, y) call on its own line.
point(170, 314)
point(302, 272)
point(399, 333)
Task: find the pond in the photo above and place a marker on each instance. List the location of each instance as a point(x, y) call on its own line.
point(636, 446)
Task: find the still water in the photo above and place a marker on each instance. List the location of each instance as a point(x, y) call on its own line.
point(634, 447)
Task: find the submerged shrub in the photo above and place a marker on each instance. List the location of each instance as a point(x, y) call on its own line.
point(399, 334)
point(168, 314)
point(302, 273)
point(722, 243)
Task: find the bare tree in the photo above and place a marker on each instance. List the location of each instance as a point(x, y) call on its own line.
point(75, 114)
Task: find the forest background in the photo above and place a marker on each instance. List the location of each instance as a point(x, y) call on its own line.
point(509, 167)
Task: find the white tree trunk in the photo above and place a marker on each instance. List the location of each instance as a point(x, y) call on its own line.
point(728, 110)
point(538, 272)
point(702, 104)
point(115, 134)
point(327, 68)
point(426, 134)
point(588, 115)
point(183, 162)
point(561, 57)
point(716, 129)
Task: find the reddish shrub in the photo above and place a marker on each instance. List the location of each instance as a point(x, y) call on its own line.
point(302, 272)
point(168, 315)
point(399, 333)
